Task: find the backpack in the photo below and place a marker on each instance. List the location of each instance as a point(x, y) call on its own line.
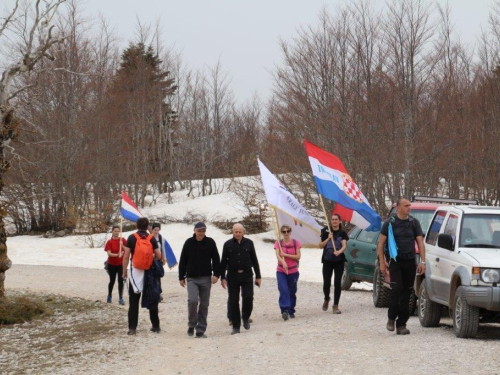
point(143, 252)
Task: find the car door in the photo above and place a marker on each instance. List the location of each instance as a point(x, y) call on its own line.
point(351, 248)
point(361, 253)
point(446, 259)
point(438, 288)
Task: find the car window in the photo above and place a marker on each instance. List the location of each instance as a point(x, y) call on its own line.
point(424, 217)
point(354, 232)
point(478, 230)
point(435, 227)
point(451, 227)
point(368, 237)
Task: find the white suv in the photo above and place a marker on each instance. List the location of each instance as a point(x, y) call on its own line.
point(462, 268)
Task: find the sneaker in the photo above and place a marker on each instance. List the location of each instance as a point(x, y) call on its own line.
point(121, 302)
point(131, 332)
point(200, 335)
point(235, 331)
point(390, 325)
point(335, 310)
point(292, 316)
point(155, 329)
point(190, 331)
point(108, 300)
point(325, 305)
point(285, 315)
point(402, 330)
point(246, 324)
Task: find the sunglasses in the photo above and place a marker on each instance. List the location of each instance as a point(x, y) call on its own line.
point(286, 231)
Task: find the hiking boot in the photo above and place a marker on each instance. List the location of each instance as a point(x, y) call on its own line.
point(155, 329)
point(250, 320)
point(108, 300)
point(402, 330)
point(131, 332)
point(121, 301)
point(285, 315)
point(246, 324)
point(390, 325)
point(235, 331)
point(200, 335)
point(335, 310)
point(190, 331)
point(325, 305)
point(292, 316)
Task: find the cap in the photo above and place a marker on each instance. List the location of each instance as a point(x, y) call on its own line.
point(200, 225)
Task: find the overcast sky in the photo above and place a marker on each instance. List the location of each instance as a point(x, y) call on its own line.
point(244, 34)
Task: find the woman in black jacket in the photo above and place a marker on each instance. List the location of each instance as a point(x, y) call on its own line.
point(333, 261)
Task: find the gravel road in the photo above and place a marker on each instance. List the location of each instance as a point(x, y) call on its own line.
point(315, 342)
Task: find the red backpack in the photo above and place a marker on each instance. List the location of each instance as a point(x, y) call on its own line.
point(143, 252)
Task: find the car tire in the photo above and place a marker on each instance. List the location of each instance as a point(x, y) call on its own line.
point(346, 281)
point(465, 316)
point(429, 312)
point(381, 294)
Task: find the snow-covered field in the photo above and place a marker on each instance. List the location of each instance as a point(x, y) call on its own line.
point(74, 251)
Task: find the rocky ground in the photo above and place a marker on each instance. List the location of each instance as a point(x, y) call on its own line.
point(93, 340)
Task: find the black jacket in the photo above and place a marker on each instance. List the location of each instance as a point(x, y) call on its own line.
point(199, 258)
point(239, 256)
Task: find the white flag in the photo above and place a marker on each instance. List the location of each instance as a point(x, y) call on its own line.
point(290, 211)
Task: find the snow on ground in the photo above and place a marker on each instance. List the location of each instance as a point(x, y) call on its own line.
point(75, 251)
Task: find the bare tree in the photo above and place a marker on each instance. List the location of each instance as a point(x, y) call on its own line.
point(32, 28)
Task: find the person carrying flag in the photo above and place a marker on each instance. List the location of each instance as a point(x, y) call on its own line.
point(141, 249)
point(333, 261)
point(406, 230)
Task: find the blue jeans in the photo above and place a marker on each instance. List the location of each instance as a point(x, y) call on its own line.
point(287, 286)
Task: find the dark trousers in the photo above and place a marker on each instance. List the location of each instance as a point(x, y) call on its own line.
point(240, 282)
point(287, 286)
point(115, 271)
point(133, 310)
point(328, 269)
point(402, 274)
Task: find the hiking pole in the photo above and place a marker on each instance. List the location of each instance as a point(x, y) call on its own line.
point(277, 230)
point(327, 221)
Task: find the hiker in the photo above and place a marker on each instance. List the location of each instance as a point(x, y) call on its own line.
point(141, 248)
point(155, 231)
point(200, 264)
point(333, 261)
point(287, 272)
point(115, 263)
point(239, 257)
point(406, 230)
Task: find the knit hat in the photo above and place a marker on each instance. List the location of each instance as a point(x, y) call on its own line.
point(200, 225)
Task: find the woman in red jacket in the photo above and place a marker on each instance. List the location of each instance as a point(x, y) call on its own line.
point(115, 261)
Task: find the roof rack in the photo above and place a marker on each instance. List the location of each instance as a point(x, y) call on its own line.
point(417, 198)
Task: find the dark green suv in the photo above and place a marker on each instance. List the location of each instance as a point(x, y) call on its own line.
point(361, 255)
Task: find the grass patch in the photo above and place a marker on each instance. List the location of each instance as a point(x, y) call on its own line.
point(20, 309)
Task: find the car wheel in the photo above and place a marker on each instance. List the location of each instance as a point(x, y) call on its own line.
point(465, 316)
point(381, 294)
point(346, 281)
point(429, 312)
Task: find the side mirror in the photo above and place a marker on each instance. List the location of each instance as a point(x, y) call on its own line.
point(446, 241)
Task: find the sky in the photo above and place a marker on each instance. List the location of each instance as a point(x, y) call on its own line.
point(244, 35)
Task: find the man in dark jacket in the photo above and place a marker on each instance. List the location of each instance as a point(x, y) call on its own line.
point(239, 257)
point(199, 258)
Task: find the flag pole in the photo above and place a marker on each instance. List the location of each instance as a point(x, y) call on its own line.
point(277, 230)
point(327, 221)
point(121, 242)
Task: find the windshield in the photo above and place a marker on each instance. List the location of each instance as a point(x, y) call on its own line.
point(480, 230)
point(424, 217)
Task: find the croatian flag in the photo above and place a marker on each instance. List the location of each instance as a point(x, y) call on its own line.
point(334, 183)
point(129, 209)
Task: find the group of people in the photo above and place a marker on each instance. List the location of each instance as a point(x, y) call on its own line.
point(200, 267)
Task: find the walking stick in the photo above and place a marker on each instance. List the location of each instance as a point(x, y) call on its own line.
point(327, 221)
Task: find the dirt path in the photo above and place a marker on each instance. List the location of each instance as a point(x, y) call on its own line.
point(315, 342)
